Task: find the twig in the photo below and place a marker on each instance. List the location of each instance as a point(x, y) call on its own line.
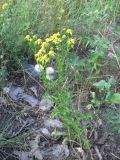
point(115, 54)
point(91, 155)
point(64, 83)
point(98, 153)
point(91, 133)
point(18, 132)
point(115, 156)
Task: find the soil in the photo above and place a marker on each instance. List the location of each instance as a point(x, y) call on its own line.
point(18, 124)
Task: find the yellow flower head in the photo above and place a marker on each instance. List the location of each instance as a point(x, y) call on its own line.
point(70, 43)
point(44, 59)
point(38, 41)
point(43, 50)
point(69, 31)
point(4, 6)
point(36, 56)
point(55, 36)
point(62, 11)
point(48, 40)
point(39, 54)
point(64, 37)
point(27, 37)
point(30, 40)
point(44, 45)
point(57, 41)
point(51, 53)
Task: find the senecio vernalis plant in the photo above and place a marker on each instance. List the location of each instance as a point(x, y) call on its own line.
point(49, 48)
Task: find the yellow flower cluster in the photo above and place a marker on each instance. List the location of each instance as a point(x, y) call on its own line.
point(71, 43)
point(38, 41)
point(46, 49)
point(5, 5)
point(42, 57)
point(28, 38)
point(69, 32)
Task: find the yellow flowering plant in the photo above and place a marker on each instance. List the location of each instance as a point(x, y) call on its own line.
point(56, 46)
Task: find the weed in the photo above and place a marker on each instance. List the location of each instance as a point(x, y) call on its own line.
point(113, 120)
point(106, 93)
point(48, 19)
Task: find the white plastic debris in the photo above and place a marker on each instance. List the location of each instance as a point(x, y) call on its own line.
point(50, 73)
point(38, 68)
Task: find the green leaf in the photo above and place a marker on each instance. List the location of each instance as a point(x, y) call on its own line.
point(112, 81)
point(115, 98)
point(101, 85)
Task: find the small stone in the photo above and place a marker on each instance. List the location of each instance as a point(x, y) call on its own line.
point(45, 132)
point(61, 151)
point(34, 90)
point(22, 155)
point(2, 101)
point(6, 90)
point(58, 152)
point(15, 93)
point(30, 100)
point(45, 104)
point(53, 123)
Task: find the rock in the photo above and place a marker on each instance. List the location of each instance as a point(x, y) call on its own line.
point(45, 104)
point(57, 152)
point(2, 101)
point(35, 152)
point(30, 100)
point(6, 90)
point(50, 73)
point(34, 90)
point(29, 155)
point(30, 70)
point(45, 132)
point(17, 93)
point(22, 155)
point(37, 155)
point(53, 123)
